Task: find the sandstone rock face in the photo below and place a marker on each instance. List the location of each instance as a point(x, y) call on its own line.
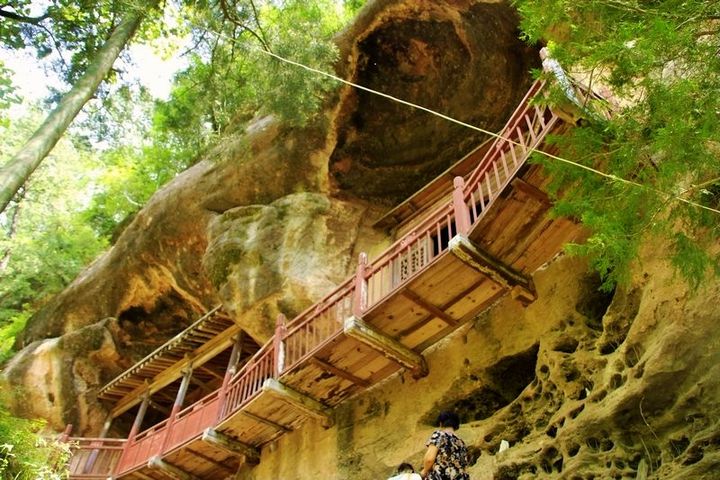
point(274, 217)
point(580, 385)
point(279, 258)
point(451, 57)
point(54, 369)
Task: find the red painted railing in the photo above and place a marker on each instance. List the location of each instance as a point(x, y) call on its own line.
point(317, 325)
point(311, 330)
point(191, 421)
point(524, 132)
point(145, 445)
point(409, 256)
point(94, 458)
point(247, 383)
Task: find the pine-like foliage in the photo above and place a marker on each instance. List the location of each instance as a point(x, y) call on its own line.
point(661, 60)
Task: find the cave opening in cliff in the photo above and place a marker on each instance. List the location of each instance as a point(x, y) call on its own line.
point(501, 384)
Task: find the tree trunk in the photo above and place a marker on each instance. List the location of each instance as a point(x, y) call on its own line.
point(17, 170)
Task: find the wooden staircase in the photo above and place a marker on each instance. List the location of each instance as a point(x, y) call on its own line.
point(483, 242)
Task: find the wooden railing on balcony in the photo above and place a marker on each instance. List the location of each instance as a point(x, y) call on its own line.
point(248, 382)
point(312, 329)
point(317, 325)
point(524, 132)
point(94, 458)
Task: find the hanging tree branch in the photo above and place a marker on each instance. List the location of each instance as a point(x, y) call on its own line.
point(24, 19)
point(17, 170)
point(230, 16)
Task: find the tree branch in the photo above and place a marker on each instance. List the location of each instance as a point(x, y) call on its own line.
point(232, 18)
point(24, 19)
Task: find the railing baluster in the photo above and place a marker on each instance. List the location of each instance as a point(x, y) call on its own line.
point(521, 140)
point(504, 164)
point(497, 177)
point(530, 130)
point(539, 114)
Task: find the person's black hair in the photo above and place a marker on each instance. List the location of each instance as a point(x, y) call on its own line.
point(405, 468)
point(449, 419)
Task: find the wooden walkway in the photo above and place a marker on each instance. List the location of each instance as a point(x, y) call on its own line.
point(483, 242)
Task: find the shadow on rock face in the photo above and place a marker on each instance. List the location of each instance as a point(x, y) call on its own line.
point(501, 384)
point(468, 64)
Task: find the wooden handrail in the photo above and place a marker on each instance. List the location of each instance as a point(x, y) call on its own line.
point(314, 327)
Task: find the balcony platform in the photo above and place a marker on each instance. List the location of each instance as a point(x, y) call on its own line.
point(481, 241)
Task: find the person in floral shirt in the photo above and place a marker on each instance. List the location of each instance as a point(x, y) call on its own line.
point(446, 457)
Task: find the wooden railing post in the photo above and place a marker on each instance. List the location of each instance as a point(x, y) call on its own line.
point(134, 430)
point(462, 212)
point(179, 400)
point(279, 346)
point(66, 433)
point(229, 374)
point(360, 296)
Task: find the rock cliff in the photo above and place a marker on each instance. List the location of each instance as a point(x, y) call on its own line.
point(274, 217)
point(581, 385)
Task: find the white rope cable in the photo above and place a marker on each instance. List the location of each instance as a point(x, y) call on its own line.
point(454, 120)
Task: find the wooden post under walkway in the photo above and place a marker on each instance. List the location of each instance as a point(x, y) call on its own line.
point(179, 400)
point(471, 254)
point(392, 349)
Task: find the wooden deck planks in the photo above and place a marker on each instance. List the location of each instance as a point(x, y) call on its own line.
point(202, 459)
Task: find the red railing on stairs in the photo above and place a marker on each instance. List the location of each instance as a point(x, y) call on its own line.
point(322, 322)
point(94, 458)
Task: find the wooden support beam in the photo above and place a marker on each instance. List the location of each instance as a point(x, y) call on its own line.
point(156, 463)
point(302, 402)
point(267, 422)
point(235, 356)
point(235, 447)
point(211, 372)
point(201, 355)
point(160, 408)
point(467, 251)
point(338, 372)
point(392, 349)
point(210, 460)
point(421, 302)
point(531, 191)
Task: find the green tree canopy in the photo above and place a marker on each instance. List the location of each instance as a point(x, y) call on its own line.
point(660, 58)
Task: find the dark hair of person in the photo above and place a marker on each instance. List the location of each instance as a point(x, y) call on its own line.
point(449, 419)
point(405, 468)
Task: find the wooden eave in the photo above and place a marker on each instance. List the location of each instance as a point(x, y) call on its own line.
point(433, 191)
point(199, 343)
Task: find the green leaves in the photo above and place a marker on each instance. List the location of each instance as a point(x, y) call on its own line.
point(662, 64)
point(44, 241)
point(24, 453)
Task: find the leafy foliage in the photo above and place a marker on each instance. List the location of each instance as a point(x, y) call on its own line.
point(44, 241)
point(25, 454)
point(660, 59)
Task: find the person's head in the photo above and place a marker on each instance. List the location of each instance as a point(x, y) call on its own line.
point(405, 468)
point(448, 420)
